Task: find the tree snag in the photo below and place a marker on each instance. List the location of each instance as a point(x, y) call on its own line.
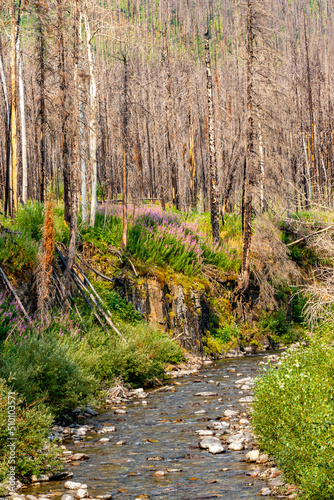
point(212, 146)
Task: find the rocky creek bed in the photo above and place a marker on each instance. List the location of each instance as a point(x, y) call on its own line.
point(191, 439)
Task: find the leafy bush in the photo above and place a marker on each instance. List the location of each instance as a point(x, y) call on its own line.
point(142, 357)
point(227, 332)
point(275, 324)
point(293, 417)
point(144, 354)
point(32, 427)
point(123, 310)
point(41, 368)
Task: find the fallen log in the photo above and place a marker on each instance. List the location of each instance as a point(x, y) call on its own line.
point(12, 291)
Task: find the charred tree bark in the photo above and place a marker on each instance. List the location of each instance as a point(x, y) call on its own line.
point(248, 183)
point(75, 148)
point(310, 104)
point(212, 145)
point(169, 123)
point(41, 82)
point(63, 114)
point(192, 157)
point(125, 153)
point(13, 170)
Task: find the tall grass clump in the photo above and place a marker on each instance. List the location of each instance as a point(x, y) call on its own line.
point(293, 418)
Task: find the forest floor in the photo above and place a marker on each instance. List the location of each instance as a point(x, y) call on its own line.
point(68, 359)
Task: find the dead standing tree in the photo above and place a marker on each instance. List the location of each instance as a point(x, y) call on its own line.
point(212, 145)
point(248, 181)
point(75, 147)
point(125, 152)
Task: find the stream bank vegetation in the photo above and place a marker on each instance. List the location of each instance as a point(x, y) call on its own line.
point(293, 408)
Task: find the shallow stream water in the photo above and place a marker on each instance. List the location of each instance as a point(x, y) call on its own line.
point(165, 428)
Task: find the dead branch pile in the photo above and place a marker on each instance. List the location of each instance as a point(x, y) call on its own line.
point(320, 304)
point(271, 264)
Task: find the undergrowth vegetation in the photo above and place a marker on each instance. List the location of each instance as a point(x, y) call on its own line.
point(293, 416)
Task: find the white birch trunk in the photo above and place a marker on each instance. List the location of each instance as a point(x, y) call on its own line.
point(308, 171)
point(261, 163)
point(92, 123)
point(83, 161)
point(4, 86)
point(23, 127)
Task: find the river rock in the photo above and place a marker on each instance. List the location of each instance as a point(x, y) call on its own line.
point(236, 446)
point(79, 456)
point(104, 440)
point(67, 497)
point(276, 482)
point(159, 473)
point(105, 429)
point(265, 492)
point(247, 399)
point(120, 412)
point(252, 456)
point(81, 493)
point(230, 413)
point(218, 425)
point(72, 485)
point(205, 432)
point(264, 458)
point(206, 394)
point(90, 412)
point(212, 444)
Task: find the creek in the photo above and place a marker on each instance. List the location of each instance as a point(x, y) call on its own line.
point(160, 435)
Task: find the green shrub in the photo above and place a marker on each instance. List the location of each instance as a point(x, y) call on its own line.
point(41, 369)
point(144, 354)
point(227, 332)
point(32, 427)
point(107, 230)
point(123, 310)
point(17, 252)
point(139, 359)
point(274, 324)
point(30, 219)
point(293, 418)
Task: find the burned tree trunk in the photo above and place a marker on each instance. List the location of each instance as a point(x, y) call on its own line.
point(212, 146)
point(248, 183)
point(63, 114)
point(13, 170)
point(41, 82)
point(75, 148)
point(125, 153)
